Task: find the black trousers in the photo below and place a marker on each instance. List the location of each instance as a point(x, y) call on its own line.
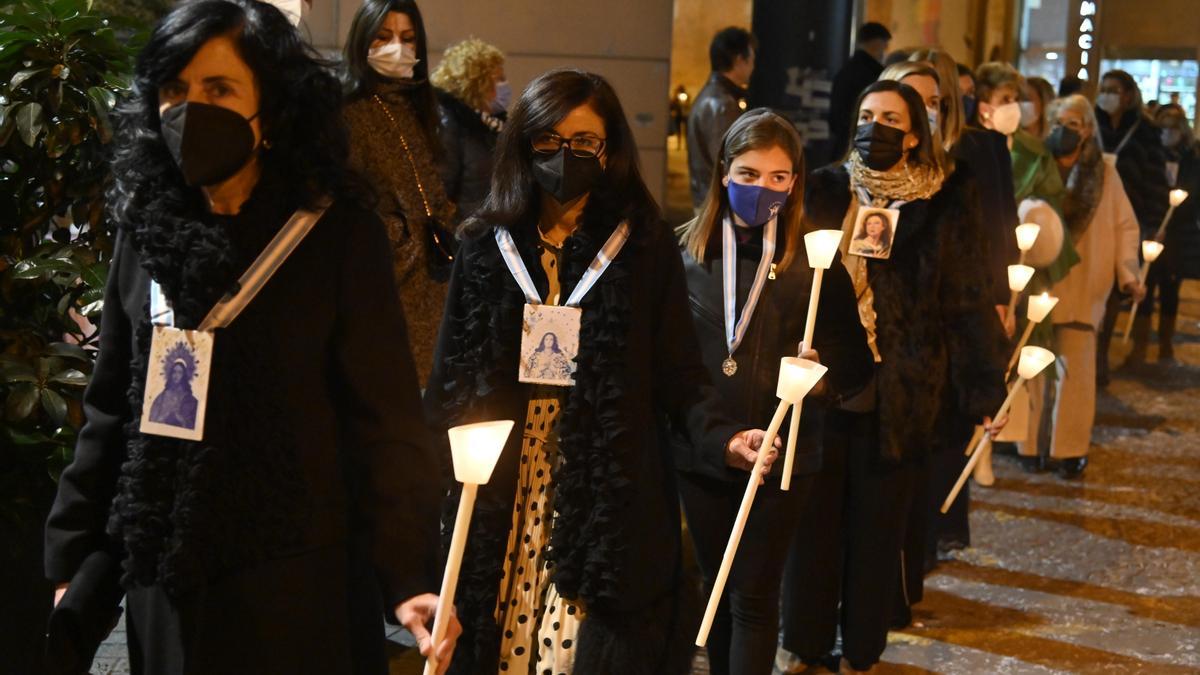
point(847, 547)
point(1167, 284)
point(746, 628)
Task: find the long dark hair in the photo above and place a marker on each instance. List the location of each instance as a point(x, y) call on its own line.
point(299, 106)
point(927, 153)
point(758, 129)
point(359, 79)
point(515, 197)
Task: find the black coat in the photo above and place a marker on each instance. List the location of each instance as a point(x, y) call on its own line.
point(941, 342)
point(716, 107)
point(1142, 165)
point(775, 331)
point(314, 435)
point(1182, 252)
point(615, 543)
point(859, 72)
point(984, 153)
point(467, 148)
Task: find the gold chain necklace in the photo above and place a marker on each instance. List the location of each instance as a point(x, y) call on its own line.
point(407, 153)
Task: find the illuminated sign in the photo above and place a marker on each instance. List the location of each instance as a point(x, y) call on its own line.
point(1087, 36)
point(1082, 57)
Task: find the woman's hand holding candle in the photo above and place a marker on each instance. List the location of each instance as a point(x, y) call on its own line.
point(742, 450)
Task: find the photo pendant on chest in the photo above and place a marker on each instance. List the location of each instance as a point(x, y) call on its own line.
point(176, 395)
point(549, 344)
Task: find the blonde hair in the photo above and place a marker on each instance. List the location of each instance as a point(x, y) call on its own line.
point(1045, 91)
point(896, 73)
point(953, 118)
point(466, 72)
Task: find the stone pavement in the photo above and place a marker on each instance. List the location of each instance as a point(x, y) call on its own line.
point(1100, 575)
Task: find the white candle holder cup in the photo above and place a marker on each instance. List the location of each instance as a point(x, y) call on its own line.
point(1027, 234)
point(1177, 197)
point(821, 246)
point(1018, 278)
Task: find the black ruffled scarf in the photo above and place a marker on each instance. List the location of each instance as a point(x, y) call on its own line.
point(189, 511)
point(592, 482)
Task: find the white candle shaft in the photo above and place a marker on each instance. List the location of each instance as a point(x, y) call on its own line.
point(785, 482)
point(962, 479)
point(1012, 363)
point(1012, 302)
point(1162, 228)
point(458, 544)
point(814, 298)
point(739, 525)
point(974, 440)
point(1133, 309)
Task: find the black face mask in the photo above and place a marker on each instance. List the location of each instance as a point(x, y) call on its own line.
point(1062, 141)
point(208, 142)
point(565, 176)
point(879, 145)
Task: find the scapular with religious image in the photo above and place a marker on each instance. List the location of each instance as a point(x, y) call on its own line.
point(177, 383)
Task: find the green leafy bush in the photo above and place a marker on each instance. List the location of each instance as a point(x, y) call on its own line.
point(62, 69)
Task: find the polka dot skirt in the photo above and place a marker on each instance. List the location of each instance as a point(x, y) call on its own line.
point(538, 626)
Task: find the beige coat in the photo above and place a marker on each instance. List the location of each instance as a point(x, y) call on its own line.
point(1108, 251)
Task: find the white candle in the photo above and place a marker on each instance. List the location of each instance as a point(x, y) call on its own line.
point(474, 449)
point(1151, 250)
point(1027, 234)
point(1177, 196)
point(1040, 306)
point(821, 246)
point(1033, 361)
point(1018, 277)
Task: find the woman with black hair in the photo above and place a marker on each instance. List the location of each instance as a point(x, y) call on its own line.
point(234, 548)
point(751, 224)
point(938, 345)
point(573, 562)
point(392, 114)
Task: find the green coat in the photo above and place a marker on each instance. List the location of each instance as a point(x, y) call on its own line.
point(1035, 174)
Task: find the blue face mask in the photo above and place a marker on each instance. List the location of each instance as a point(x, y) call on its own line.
point(755, 204)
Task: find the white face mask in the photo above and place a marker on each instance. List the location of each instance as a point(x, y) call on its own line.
point(394, 59)
point(1005, 119)
point(1028, 113)
point(932, 114)
point(1109, 102)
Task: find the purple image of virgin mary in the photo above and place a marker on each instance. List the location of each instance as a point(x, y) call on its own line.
point(176, 406)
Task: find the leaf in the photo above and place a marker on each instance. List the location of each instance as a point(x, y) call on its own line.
point(15, 370)
point(27, 269)
point(20, 402)
point(71, 378)
point(94, 275)
point(92, 309)
point(30, 122)
point(33, 438)
point(103, 99)
point(54, 405)
point(15, 36)
point(68, 351)
point(8, 122)
point(22, 75)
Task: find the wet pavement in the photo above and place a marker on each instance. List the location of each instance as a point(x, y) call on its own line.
point(1100, 575)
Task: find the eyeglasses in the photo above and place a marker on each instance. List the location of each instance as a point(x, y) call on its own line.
point(581, 145)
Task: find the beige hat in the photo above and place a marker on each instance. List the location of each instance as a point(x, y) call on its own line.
point(1050, 239)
